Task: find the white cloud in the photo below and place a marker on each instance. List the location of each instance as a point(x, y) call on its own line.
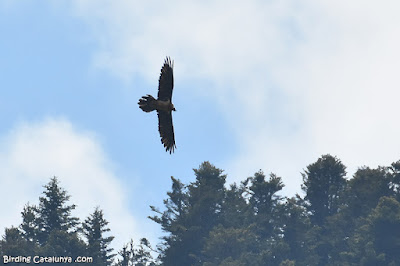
point(32, 153)
point(310, 78)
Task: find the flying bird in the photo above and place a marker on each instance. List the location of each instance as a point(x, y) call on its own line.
point(163, 105)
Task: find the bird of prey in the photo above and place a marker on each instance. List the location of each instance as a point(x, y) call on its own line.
point(163, 105)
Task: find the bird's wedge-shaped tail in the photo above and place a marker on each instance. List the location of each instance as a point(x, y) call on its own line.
point(148, 103)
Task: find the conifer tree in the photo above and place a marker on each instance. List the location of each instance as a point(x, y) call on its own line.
point(56, 228)
point(377, 240)
point(14, 244)
point(298, 232)
point(94, 228)
point(53, 211)
point(366, 188)
point(235, 211)
point(324, 184)
point(264, 201)
point(137, 255)
point(29, 226)
point(190, 215)
point(394, 172)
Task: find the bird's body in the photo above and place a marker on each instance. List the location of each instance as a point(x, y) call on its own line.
point(163, 105)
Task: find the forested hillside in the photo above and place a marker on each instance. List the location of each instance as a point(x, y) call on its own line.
point(338, 221)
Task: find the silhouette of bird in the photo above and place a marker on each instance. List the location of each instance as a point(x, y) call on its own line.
point(163, 105)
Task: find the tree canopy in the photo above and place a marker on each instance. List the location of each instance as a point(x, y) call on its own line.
point(338, 220)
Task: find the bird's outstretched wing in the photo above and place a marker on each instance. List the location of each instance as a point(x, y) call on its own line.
point(166, 129)
point(166, 82)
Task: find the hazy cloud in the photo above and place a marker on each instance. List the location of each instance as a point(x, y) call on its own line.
point(32, 153)
point(295, 80)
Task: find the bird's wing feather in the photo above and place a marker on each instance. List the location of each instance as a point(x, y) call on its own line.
point(166, 82)
point(166, 129)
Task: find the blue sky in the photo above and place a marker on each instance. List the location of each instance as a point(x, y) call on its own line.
point(258, 85)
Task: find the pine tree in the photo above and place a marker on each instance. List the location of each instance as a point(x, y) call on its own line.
point(366, 188)
point(14, 244)
point(324, 184)
point(298, 232)
point(266, 204)
point(235, 211)
point(53, 211)
point(29, 227)
point(173, 221)
point(176, 205)
point(94, 228)
point(377, 240)
point(137, 255)
point(394, 172)
point(47, 229)
point(190, 216)
point(249, 230)
point(384, 229)
point(231, 246)
point(56, 229)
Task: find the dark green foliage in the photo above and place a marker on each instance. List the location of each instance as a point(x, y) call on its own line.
point(384, 223)
point(394, 173)
point(140, 255)
point(191, 213)
point(235, 211)
point(366, 188)
point(298, 233)
point(94, 228)
point(50, 229)
point(264, 203)
point(29, 226)
point(337, 222)
point(56, 229)
point(62, 243)
point(229, 244)
point(287, 263)
point(53, 213)
point(14, 244)
point(377, 240)
point(324, 183)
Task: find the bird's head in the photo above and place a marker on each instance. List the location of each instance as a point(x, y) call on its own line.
point(173, 107)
